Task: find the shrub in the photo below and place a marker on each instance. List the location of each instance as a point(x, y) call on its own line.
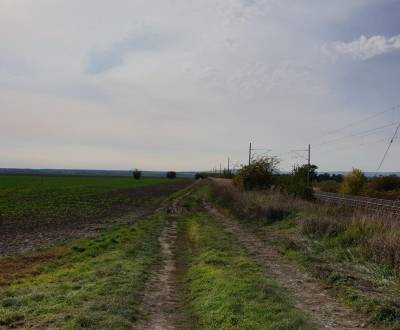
point(329, 186)
point(251, 205)
point(227, 174)
point(385, 183)
point(328, 177)
point(137, 174)
point(353, 184)
point(257, 175)
point(171, 175)
point(200, 175)
point(297, 184)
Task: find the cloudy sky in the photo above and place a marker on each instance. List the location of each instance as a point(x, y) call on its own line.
point(183, 84)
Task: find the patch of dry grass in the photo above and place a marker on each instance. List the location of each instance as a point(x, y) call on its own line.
point(377, 237)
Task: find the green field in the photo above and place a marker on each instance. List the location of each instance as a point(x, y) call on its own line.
point(94, 284)
point(100, 283)
point(55, 198)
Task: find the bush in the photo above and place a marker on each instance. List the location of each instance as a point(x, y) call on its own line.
point(171, 175)
point(301, 189)
point(328, 177)
point(227, 174)
point(250, 205)
point(200, 175)
point(137, 174)
point(329, 186)
point(296, 184)
point(385, 183)
point(257, 175)
point(353, 184)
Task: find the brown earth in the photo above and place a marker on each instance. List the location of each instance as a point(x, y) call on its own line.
point(20, 238)
point(162, 297)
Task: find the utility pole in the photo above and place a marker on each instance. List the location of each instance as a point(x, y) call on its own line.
point(220, 168)
point(309, 165)
point(250, 154)
point(228, 166)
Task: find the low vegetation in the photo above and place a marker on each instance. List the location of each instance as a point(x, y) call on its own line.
point(356, 183)
point(225, 289)
point(353, 184)
point(258, 174)
point(354, 253)
point(63, 198)
point(93, 284)
point(171, 175)
point(137, 174)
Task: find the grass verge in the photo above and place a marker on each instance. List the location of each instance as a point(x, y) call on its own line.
point(96, 283)
point(225, 289)
point(353, 254)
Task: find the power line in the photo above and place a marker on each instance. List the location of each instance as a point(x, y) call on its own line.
point(358, 134)
point(354, 123)
point(387, 150)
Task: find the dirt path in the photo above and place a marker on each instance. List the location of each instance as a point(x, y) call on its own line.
point(162, 298)
point(308, 294)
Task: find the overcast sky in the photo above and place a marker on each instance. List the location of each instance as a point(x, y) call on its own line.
point(183, 84)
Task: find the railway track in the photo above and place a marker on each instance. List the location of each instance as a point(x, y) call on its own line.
point(382, 206)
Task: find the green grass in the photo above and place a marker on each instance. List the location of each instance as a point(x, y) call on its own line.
point(339, 263)
point(36, 198)
point(225, 289)
point(96, 284)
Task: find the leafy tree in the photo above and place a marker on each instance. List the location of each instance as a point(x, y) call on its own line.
point(137, 174)
point(301, 172)
point(171, 175)
point(299, 186)
point(257, 175)
point(353, 183)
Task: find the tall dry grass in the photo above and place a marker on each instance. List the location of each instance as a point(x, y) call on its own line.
point(377, 237)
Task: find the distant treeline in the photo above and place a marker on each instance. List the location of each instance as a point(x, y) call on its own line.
point(111, 173)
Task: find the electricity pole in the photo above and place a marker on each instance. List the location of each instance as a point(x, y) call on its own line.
point(308, 159)
point(228, 166)
point(309, 165)
point(250, 154)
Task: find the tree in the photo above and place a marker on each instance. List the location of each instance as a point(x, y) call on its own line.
point(200, 175)
point(301, 172)
point(257, 175)
point(171, 175)
point(299, 185)
point(353, 183)
point(137, 174)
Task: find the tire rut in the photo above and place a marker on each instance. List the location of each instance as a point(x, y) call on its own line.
point(308, 294)
point(161, 300)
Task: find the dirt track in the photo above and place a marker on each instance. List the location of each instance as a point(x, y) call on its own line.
point(161, 297)
point(309, 295)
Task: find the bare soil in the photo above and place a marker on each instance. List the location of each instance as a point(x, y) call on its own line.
point(20, 238)
point(162, 297)
point(308, 294)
